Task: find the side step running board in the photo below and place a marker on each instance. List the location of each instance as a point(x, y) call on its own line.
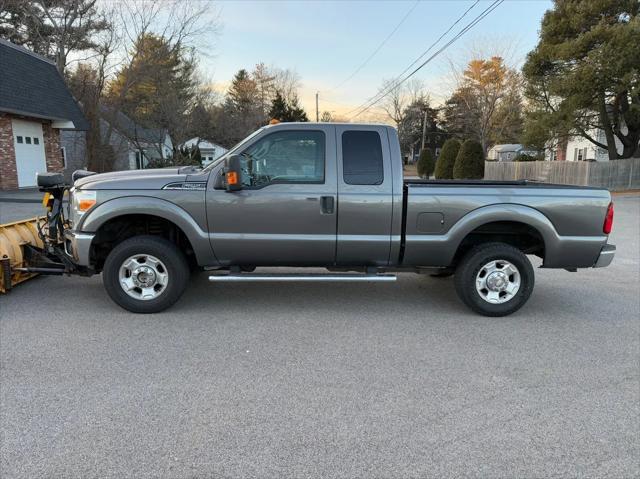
point(257, 277)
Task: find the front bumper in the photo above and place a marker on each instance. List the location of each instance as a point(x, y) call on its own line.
point(606, 255)
point(77, 246)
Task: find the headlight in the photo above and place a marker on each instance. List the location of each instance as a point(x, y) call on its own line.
point(83, 200)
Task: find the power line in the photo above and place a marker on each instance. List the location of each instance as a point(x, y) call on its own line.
point(398, 81)
point(464, 14)
point(412, 64)
point(357, 70)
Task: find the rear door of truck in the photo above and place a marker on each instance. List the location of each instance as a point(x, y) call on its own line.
point(365, 195)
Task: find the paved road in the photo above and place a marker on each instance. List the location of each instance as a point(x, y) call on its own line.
point(269, 380)
point(10, 212)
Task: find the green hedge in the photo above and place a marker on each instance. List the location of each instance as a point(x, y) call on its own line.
point(469, 162)
point(426, 163)
point(525, 157)
point(446, 160)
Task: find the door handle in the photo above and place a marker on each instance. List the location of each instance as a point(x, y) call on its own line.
point(326, 205)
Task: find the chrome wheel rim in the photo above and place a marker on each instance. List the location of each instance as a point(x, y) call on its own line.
point(143, 277)
point(498, 281)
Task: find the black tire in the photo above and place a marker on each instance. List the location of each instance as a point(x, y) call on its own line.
point(173, 260)
point(475, 260)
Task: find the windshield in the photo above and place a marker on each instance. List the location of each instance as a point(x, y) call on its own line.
point(232, 150)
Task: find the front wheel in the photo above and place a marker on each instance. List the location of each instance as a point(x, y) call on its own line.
point(145, 274)
point(494, 279)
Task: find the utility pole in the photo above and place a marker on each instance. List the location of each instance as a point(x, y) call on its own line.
point(317, 113)
point(424, 129)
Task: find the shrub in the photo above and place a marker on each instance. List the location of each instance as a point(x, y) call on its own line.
point(469, 162)
point(426, 163)
point(446, 160)
point(525, 157)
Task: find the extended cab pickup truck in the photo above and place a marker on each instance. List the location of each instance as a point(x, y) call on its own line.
point(332, 196)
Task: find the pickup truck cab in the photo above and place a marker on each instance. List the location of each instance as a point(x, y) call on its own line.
point(334, 196)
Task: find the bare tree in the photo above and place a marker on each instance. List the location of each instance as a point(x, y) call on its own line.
point(265, 80)
point(287, 82)
point(400, 96)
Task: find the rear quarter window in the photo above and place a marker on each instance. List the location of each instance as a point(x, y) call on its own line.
point(362, 158)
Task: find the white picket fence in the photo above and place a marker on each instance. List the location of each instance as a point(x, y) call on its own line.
point(614, 175)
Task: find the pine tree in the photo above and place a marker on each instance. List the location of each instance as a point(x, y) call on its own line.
point(243, 92)
point(283, 111)
point(583, 74)
point(469, 163)
point(279, 108)
point(426, 164)
point(158, 87)
point(54, 29)
point(296, 112)
point(446, 160)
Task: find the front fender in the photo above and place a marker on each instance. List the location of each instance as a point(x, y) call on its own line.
point(560, 251)
point(146, 205)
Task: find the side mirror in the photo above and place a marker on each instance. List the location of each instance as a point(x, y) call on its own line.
point(233, 173)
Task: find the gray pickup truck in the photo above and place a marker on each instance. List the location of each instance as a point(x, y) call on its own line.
point(331, 196)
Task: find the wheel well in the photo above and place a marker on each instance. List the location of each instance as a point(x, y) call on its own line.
point(519, 235)
point(118, 229)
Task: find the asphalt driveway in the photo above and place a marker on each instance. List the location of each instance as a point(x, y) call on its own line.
point(308, 380)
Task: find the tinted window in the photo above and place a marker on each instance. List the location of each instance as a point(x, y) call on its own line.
point(27, 139)
point(36, 140)
point(19, 139)
point(362, 158)
point(284, 157)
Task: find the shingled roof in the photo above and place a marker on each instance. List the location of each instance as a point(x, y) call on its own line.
point(130, 129)
point(31, 85)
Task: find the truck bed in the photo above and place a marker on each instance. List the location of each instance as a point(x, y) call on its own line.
point(438, 211)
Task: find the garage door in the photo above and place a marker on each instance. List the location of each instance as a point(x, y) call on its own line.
point(29, 147)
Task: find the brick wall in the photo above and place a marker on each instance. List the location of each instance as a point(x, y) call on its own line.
point(8, 174)
point(562, 151)
point(55, 162)
point(53, 154)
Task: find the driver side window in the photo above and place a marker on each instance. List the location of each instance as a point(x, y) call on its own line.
point(284, 157)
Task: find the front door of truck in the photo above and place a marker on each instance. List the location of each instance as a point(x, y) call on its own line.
point(285, 213)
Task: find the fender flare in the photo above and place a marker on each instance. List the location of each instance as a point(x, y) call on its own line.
point(559, 251)
point(147, 205)
point(504, 212)
point(440, 250)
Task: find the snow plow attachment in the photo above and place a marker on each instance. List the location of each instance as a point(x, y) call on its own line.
point(14, 239)
point(36, 246)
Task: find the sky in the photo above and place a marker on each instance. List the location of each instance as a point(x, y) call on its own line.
point(326, 41)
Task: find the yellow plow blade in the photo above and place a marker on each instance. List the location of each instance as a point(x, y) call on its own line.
point(13, 236)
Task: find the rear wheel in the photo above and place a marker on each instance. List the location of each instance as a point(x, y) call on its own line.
point(494, 279)
point(145, 274)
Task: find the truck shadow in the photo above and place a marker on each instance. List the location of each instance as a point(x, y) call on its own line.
point(411, 297)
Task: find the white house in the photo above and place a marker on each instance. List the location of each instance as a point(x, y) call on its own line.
point(578, 148)
point(209, 151)
point(36, 109)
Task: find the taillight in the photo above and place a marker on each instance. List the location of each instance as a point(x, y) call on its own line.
point(608, 220)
